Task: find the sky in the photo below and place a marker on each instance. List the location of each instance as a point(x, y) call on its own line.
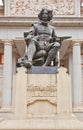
point(82, 4)
point(1, 3)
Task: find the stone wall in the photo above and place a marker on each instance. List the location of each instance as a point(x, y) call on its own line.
point(32, 7)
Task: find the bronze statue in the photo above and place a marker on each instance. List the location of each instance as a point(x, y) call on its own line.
point(42, 42)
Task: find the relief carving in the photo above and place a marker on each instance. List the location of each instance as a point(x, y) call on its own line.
point(41, 95)
point(39, 109)
point(32, 8)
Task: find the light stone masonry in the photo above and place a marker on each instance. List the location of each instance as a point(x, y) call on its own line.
point(7, 75)
point(77, 77)
point(63, 118)
point(32, 8)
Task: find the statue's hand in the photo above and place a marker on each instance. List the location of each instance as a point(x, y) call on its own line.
point(29, 37)
point(57, 44)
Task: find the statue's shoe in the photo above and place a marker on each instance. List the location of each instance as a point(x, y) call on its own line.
point(18, 65)
point(28, 64)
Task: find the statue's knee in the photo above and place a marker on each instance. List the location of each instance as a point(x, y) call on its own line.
point(43, 52)
point(40, 53)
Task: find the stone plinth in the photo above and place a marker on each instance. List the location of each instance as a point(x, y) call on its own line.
point(41, 92)
point(42, 102)
point(42, 70)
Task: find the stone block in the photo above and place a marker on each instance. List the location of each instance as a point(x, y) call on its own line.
point(42, 70)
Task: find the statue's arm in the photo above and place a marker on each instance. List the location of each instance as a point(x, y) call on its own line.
point(54, 32)
point(30, 33)
point(54, 37)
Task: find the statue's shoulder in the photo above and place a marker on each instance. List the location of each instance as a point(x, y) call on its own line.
point(35, 25)
point(52, 27)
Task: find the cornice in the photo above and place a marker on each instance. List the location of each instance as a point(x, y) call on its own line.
point(27, 21)
point(77, 41)
point(6, 41)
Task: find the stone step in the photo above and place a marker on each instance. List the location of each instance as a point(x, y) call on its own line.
point(45, 124)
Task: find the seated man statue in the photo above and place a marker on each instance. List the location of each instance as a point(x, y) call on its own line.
point(40, 41)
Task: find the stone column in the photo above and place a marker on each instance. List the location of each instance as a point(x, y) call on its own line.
point(7, 7)
point(70, 66)
point(58, 57)
point(14, 63)
point(77, 79)
point(7, 74)
point(77, 8)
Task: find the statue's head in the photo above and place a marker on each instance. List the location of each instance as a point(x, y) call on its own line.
point(45, 15)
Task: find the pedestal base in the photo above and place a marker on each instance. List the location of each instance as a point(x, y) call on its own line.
point(42, 102)
point(42, 124)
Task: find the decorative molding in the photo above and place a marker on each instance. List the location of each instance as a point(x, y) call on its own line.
point(52, 102)
point(78, 109)
point(32, 8)
point(58, 21)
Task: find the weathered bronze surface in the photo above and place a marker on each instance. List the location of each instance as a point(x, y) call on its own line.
point(42, 42)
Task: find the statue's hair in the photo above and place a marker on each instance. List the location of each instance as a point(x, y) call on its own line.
point(50, 15)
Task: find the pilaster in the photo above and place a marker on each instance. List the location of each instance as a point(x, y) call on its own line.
point(7, 74)
point(19, 98)
point(77, 8)
point(77, 79)
point(7, 7)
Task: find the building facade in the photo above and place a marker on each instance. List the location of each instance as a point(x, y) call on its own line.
point(16, 17)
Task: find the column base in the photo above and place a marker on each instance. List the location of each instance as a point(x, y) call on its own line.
point(78, 108)
point(5, 109)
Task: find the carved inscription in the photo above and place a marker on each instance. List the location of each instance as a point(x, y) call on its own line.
point(34, 91)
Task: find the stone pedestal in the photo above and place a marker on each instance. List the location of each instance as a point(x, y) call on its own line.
point(41, 102)
point(19, 102)
point(7, 75)
point(41, 94)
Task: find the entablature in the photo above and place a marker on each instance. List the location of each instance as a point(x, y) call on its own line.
point(27, 21)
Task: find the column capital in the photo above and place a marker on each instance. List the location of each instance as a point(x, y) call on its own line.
point(7, 41)
point(76, 42)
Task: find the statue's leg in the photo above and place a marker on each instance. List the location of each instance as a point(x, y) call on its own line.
point(51, 55)
point(31, 50)
point(39, 58)
point(30, 54)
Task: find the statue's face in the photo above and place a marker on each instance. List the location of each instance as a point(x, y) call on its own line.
point(45, 15)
